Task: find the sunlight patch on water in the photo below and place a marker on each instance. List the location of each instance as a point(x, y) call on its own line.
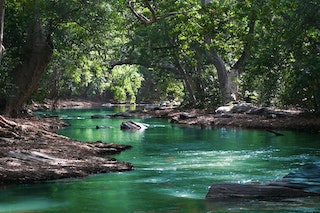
point(65, 117)
point(183, 194)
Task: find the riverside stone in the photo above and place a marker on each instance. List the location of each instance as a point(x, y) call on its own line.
point(132, 125)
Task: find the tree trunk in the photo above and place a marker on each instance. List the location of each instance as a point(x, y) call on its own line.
point(26, 76)
point(224, 81)
point(188, 86)
point(226, 84)
point(2, 9)
point(187, 82)
point(238, 67)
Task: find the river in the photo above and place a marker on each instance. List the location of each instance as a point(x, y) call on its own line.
point(174, 167)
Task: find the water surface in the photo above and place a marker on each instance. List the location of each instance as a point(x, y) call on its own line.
point(174, 167)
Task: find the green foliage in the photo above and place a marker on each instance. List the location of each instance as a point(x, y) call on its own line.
point(211, 96)
point(284, 66)
point(86, 38)
point(168, 88)
point(124, 82)
point(91, 37)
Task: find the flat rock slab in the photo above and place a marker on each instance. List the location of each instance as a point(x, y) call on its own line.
point(232, 191)
point(31, 152)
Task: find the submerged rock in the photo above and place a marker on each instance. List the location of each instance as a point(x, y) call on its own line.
point(99, 116)
point(122, 115)
point(306, 178)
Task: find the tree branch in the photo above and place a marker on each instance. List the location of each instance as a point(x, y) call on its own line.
point(142, 17)
point(154, 17)
point(239, 65)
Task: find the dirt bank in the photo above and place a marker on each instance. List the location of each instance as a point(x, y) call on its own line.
point(31, 151)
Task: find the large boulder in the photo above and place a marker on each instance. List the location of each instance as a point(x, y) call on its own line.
point(224, 109)
point(232, 191)
point(241, 107)
point(234, 108)
point(133, 126)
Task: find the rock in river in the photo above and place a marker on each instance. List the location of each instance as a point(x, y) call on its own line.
point(304, 182)
point(133, 126)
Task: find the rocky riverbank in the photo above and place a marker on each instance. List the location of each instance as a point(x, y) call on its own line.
point(31, 151)
point(241, 115)
point(262, 118)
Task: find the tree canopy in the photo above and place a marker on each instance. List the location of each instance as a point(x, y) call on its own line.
point(204, 53)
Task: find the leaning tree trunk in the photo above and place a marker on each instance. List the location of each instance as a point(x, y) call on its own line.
point(226, 84)
point(26, 76)
point(224, 81)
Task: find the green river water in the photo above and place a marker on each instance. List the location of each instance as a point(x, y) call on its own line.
point(174, 167)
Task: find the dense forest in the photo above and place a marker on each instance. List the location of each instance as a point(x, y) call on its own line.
point(201, 53)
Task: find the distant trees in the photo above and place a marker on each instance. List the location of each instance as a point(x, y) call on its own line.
point(124, 82)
